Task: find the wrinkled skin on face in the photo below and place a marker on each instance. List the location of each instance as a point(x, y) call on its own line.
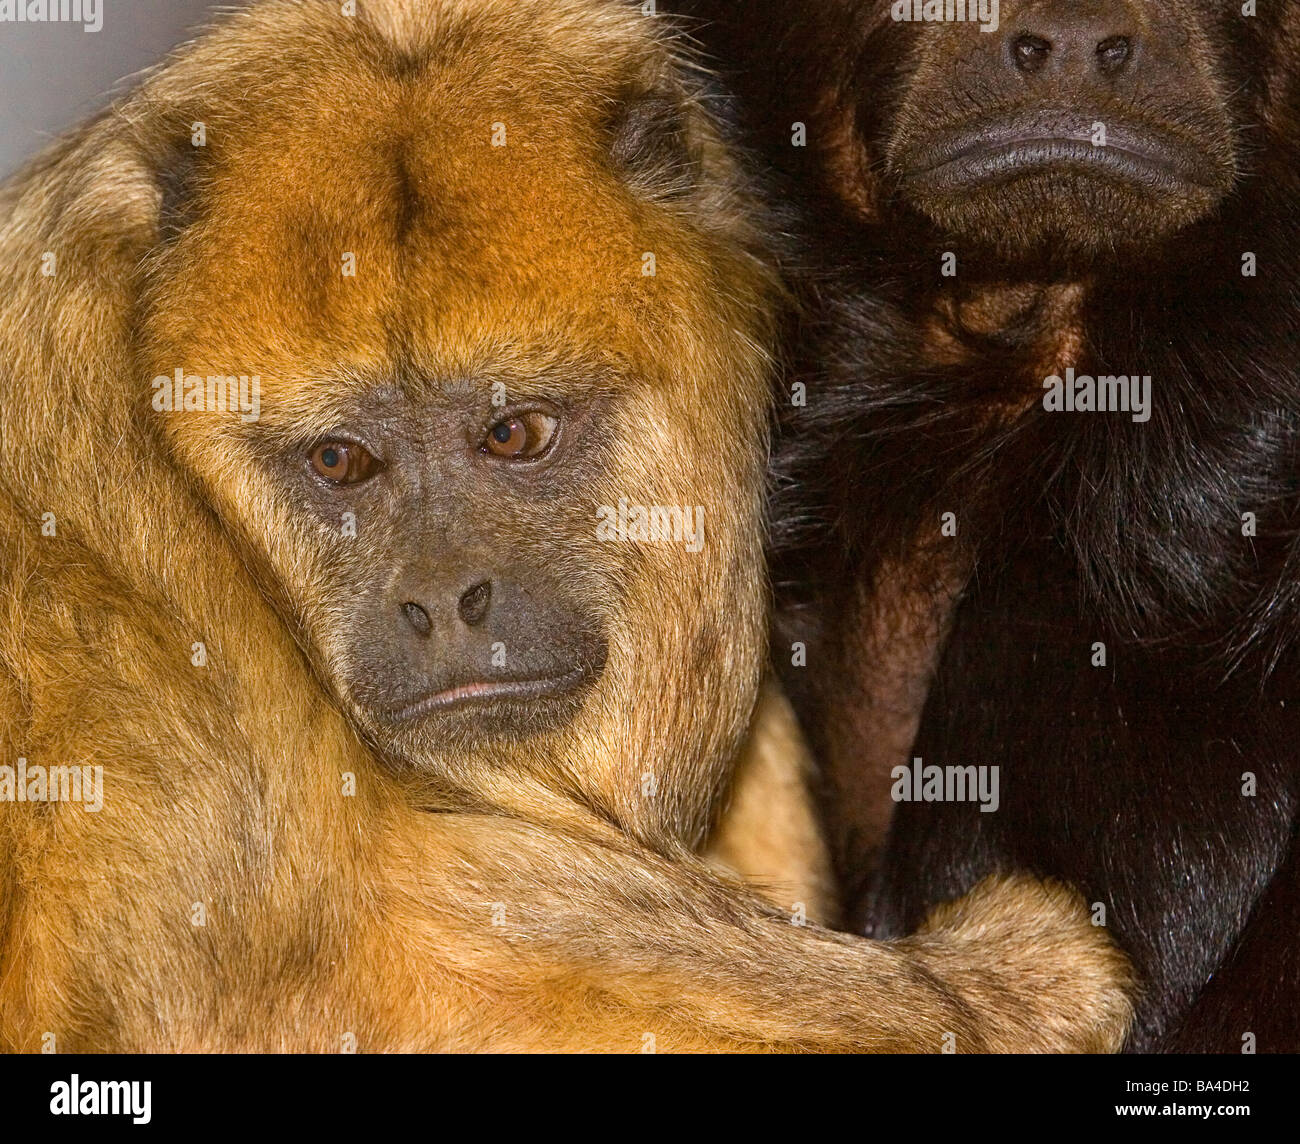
point(1077, 126)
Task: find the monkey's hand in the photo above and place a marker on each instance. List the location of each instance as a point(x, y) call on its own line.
point(1047, 978)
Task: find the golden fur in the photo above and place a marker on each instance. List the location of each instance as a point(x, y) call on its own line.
point(531, 894)
point(769, 833)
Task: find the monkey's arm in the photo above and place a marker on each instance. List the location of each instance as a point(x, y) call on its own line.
point(770, 833)
point(569, 942)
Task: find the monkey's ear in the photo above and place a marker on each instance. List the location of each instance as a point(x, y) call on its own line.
point(177, 172)
point(650, 144)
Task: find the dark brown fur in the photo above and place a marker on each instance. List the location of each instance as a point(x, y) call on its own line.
point(925, 396)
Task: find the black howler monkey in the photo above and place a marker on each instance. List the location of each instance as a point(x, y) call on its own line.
point(1037, 489)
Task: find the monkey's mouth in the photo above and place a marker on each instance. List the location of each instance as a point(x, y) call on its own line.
point(489, 693)
point(1134, 157)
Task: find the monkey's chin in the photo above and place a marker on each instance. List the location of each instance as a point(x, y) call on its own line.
point(1046, 218)
point(1022, 189)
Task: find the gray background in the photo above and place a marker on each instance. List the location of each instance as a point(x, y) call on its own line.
point(53, 75)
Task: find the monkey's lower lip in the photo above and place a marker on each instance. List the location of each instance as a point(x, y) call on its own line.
point(488, 692)
point(1136, 158)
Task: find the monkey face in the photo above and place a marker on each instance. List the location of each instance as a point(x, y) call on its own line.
point(1065, 128)
point(494, 332)
point(476, 623)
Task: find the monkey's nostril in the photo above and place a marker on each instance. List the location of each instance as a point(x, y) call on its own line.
point(1031, 52)
point(417, 617)
point(1113, 54)
point(474, 603)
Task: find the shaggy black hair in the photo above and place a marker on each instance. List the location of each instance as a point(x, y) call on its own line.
point(1125, 780)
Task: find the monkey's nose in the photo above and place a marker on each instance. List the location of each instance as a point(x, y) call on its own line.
point(474, 604)
point(1085, 40)
point(417, 617)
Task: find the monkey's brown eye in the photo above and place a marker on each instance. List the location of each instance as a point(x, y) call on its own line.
point(521, 438)
point(343, 462)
